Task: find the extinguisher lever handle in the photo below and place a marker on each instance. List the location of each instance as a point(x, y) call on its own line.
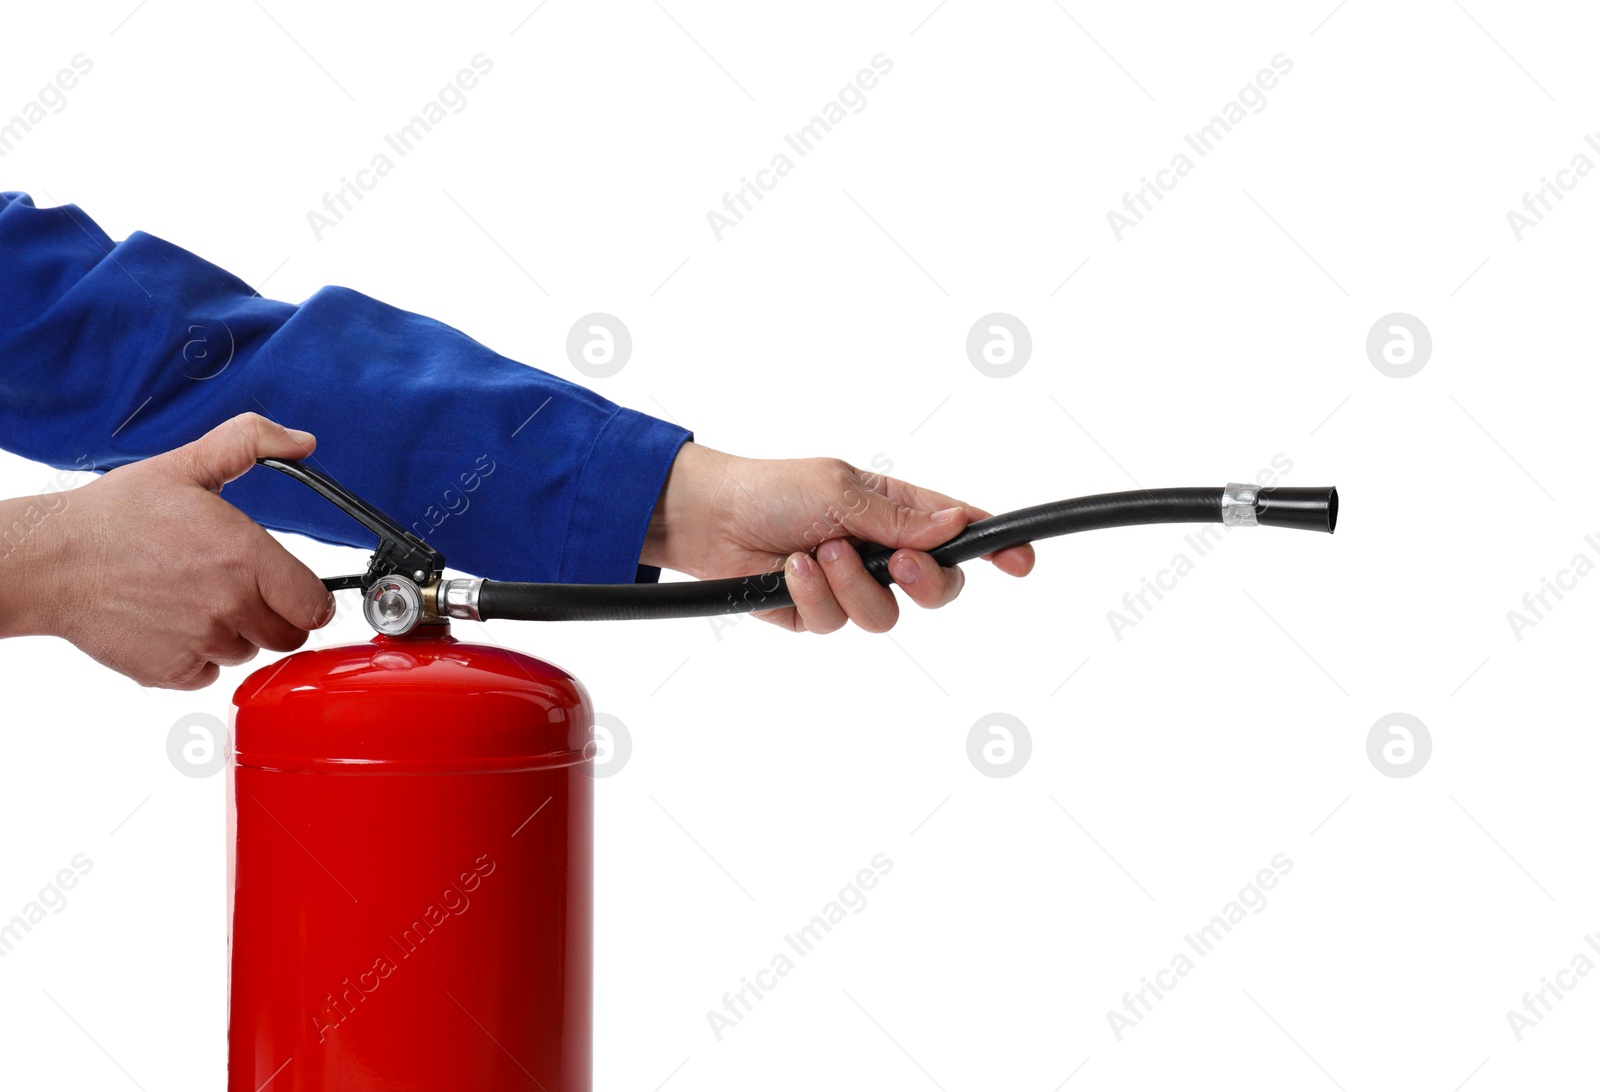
point(398, 550)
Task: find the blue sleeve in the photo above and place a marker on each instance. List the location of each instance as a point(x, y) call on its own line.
point(112, 352)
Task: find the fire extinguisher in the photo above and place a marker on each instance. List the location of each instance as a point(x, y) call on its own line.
point(411, 819)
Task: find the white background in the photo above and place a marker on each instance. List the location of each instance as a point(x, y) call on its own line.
point(1229, 327)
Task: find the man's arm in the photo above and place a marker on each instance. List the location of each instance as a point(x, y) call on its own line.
point(114, 352)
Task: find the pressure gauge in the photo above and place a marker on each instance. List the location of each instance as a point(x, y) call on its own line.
point(393, 605)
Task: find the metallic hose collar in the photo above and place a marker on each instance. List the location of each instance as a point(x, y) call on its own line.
point(1239, 504)
point(459, 598)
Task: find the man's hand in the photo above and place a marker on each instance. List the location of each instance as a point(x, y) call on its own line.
point(152, 573)
point(721, 515)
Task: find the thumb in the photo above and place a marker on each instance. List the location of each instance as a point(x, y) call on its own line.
point(879, 519)
point(233, 447)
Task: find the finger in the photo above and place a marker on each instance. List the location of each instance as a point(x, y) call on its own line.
point(816, 609)
point(924, 580)
point(198, 680)
point(232, 653)
point(233, 447)
point(183, 669)
point(916, 496)
point(874, 517)
point(1013, 560)
point(289, 589)
point(265, 628)
point(868, 603)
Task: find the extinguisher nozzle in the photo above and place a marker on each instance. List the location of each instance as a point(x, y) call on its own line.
point(1306, 507)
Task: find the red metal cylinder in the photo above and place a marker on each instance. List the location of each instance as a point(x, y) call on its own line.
point(410, 880)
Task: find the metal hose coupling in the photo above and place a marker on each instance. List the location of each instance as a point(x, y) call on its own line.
point(458, 598)
point(1303, 507)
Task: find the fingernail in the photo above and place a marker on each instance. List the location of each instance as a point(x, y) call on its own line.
point(327, 612)
point(832, 550)
point(904, 570)
point(946, 515)
point(801, 565)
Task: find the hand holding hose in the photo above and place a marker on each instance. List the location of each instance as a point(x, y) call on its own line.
point(722, 516)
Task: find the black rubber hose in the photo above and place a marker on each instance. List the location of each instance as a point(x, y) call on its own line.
point(1304, 508)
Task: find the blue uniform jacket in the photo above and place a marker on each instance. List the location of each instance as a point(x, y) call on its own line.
point(111, 352)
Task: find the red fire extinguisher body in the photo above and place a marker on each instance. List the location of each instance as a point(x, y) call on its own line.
point(411, 873)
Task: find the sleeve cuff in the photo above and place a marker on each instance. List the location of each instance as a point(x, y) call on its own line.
point(618, 487)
